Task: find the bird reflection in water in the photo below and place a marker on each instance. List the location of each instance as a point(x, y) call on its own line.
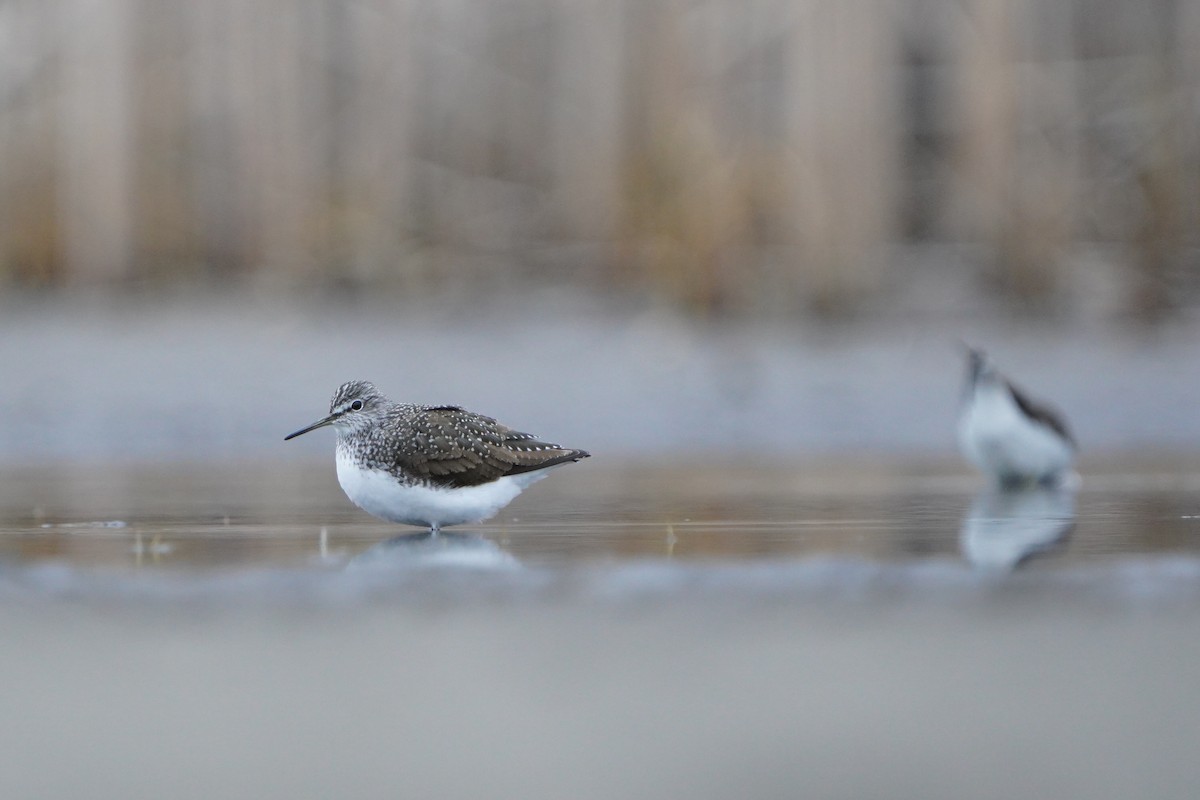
point(1007, 527)
point(429, 551)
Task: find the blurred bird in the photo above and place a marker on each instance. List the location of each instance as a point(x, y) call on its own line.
point(1012, 439)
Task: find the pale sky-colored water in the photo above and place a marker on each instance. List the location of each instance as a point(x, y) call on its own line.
point(200, 631)
point(225, 379)
point(775, 578)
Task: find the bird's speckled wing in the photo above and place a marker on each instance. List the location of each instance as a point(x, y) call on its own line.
point(455, 448)
point(1043, 414)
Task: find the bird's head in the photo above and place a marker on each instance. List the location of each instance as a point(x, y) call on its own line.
point(355, 404)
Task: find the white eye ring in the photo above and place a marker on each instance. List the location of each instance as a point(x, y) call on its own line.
point(356, 405)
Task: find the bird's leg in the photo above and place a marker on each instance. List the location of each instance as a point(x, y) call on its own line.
point(433, 530)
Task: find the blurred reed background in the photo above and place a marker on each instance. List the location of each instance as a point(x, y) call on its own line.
point(730, 156)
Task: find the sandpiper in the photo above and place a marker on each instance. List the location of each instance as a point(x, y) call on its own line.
point(1011, 438)
point(431, 466)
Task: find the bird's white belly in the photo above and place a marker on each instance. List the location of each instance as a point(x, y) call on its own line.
point(381, 495)
point(1006, 444)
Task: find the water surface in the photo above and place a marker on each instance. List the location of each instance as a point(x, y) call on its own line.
point(293, 516)
point(679, 630)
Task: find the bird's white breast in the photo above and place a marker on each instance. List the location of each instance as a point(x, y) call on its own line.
point(998, 438)
point(381, 495)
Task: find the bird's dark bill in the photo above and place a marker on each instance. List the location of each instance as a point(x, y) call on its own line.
point(318, 424)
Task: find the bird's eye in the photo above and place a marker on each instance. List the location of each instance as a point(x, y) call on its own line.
point(356, 405)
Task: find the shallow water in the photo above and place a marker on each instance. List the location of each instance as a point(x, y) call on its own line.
point(293, 516)
point(846, 630)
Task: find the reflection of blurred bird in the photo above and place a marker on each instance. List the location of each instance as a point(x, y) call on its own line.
point(1011, 438)
point(1004, 528)
point(430, 465)
point(425, 551)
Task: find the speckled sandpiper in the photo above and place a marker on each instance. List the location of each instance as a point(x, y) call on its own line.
point(1011, 438)
point(431, 466)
